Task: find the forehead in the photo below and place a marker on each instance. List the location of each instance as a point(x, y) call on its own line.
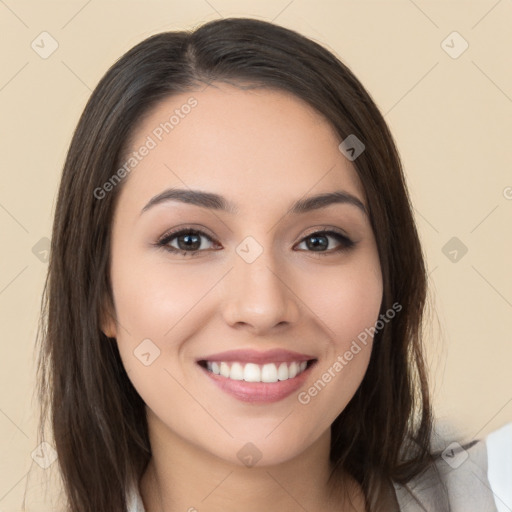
point(255, 146)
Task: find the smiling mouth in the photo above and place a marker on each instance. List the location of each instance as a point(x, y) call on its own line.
point(252, 372)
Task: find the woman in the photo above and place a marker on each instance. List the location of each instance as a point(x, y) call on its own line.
point(236, 288)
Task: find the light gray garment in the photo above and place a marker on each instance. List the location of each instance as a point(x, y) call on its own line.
point(464, 486)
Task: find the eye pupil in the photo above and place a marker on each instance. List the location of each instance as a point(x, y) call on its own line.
point(189, 242)
point(194, 245)
point(322, 244)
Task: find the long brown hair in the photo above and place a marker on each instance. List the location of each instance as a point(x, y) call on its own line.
point(96, 416)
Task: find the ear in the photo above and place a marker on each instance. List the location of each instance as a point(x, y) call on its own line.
point(108, 324)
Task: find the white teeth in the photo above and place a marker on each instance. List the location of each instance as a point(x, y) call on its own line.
point(224, 369)
point(282, 372)
point(251, 372)
point(269, 373)
point(237, 372)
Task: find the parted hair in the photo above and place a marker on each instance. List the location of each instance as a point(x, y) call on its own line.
point(97, 418)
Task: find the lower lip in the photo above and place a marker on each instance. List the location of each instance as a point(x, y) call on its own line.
point(259, 392)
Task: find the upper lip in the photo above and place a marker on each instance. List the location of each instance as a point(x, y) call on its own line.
point(254, 356)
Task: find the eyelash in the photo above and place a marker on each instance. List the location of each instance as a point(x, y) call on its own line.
point(163, 243)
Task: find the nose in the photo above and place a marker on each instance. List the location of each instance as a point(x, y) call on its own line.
point(260, 295)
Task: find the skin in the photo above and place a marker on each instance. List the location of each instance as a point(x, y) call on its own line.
point(261, 149)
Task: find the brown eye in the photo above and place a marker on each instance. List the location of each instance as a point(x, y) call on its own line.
point(319, 242)
point(189, 241)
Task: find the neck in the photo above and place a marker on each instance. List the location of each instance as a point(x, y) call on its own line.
point(183, 477)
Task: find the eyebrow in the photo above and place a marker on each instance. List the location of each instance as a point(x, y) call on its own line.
point(217, 202)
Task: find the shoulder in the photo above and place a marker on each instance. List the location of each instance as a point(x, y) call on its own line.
point(456, 483)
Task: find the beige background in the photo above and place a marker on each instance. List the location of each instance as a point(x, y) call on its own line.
point(451, 117)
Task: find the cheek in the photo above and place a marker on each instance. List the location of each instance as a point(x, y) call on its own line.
point(347, 299)
point(349, 308)
point(151, 299)
point(154, 307)
point(162, 307)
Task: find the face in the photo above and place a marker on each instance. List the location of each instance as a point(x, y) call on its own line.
point(237, 308)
